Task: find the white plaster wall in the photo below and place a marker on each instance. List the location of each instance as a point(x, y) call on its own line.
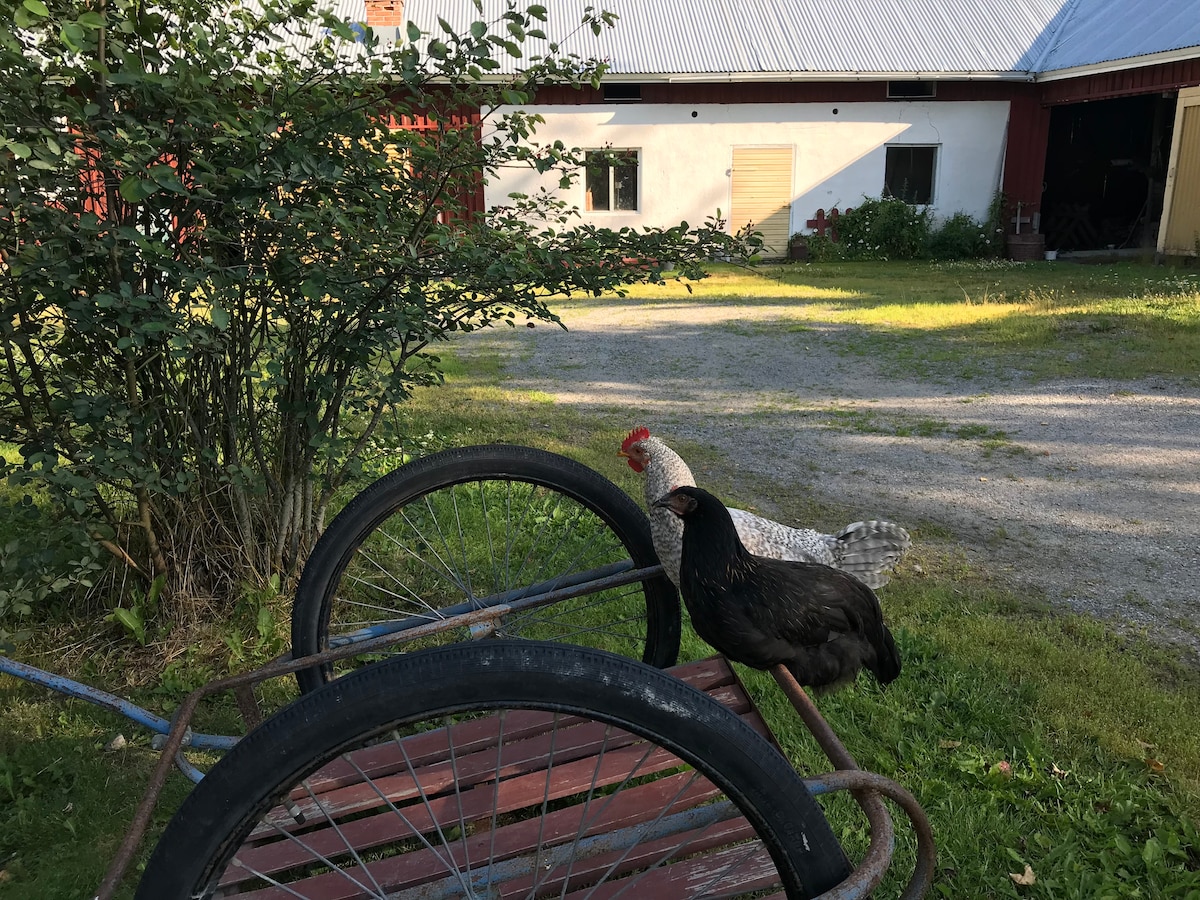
point(687, 151)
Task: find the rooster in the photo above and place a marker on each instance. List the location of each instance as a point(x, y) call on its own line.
point(823, 624)
point(867, 550)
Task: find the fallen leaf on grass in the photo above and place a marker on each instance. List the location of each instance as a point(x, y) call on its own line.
point(1056, 771)
point(948, 745)
point(1154, 765)
point(1025, 878)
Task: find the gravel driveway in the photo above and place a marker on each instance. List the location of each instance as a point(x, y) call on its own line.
point(1088, 492)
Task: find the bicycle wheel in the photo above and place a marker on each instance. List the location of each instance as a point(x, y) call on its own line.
point(477, 527)
point(517, 769)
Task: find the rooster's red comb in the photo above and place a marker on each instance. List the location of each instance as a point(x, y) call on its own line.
point(638, 434)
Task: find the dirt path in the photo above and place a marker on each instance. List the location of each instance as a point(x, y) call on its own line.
point(1087, 491)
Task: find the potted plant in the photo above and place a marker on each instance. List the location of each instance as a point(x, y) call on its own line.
point(798, 247)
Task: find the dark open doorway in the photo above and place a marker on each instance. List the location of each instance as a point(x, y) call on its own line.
point(1106, 167)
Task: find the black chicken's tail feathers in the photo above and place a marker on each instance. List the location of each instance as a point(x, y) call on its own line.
point(870, 550)
point(886, 665)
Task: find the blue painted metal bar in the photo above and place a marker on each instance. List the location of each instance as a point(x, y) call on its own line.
point(131, 711)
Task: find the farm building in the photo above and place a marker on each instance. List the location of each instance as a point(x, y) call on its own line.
point(1084, 113)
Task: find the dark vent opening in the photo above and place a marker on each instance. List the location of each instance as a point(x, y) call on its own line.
point(622, 93)
point(909, 90)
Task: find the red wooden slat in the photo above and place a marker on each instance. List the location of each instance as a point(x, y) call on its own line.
point(580, 742)
point(423, 868)
point(523, 793)
point(725, 872)
point(368, 822)
point(431, 747)
point(624, 809)
point(426, 748)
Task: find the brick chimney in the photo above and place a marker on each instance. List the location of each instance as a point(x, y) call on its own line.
point(385, 14)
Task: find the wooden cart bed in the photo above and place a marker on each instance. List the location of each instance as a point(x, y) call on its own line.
point(557, 804)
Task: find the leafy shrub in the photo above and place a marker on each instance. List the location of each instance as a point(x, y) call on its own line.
point(884, 228)
point(960, 237)
point(41, 556)
point(823, 248)
point(225, 265)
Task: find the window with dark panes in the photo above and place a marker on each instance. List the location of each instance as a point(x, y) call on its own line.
point(612, 180)
point(908, 174)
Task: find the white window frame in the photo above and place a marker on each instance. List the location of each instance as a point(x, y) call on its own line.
point(612, 189)
point(937, 152)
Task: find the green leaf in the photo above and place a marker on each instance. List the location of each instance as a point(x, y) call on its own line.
point(72, 35)
point(1152, 852)
point(537, 11)
point(135, 189)
point(414, 33)
point(132, 621)
point(478, 30)
point(219, 316)
point(37, 7)
point(19, 150)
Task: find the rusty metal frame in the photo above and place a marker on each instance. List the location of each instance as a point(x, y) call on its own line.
point(866, 787)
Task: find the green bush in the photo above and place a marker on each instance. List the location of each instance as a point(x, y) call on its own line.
point(224, 266)
point(960, 237)
point(823, 248)
point(884, 228)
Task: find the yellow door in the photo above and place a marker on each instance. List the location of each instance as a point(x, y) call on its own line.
point(762, 194)
point(1180, 230)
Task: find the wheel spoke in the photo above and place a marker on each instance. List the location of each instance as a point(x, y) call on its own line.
point(425, 543)
point(502, 768)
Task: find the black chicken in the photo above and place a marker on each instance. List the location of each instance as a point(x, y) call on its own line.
point(823, 624)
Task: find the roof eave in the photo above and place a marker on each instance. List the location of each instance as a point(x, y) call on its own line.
point(727, 77)
point(1117, 65)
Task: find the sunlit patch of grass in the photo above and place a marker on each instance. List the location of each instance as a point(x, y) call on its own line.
point(961, 320)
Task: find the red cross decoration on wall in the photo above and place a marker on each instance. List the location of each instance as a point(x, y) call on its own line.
point(820, 223)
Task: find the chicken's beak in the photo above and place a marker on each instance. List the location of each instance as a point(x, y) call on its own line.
point(663, 502)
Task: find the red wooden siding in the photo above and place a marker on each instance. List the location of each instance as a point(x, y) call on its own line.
point(1124, 83)
point(472, 201)
point(1025, 156)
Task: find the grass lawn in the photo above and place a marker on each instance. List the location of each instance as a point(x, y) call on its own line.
point(1031, 739)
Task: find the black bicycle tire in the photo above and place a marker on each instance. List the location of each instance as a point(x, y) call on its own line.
point(214, 819)
point(375, 503)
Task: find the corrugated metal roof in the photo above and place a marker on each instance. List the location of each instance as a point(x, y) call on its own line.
point(300, 42)
point(839, 38)
point(1103, 31)
point(347, 10)
point(763, 37)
